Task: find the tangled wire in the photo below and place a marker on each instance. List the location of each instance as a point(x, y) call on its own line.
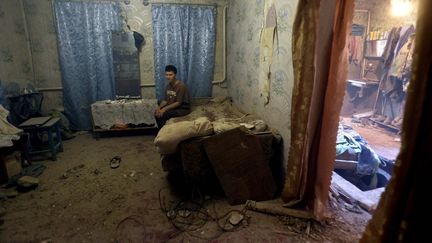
point(191, 215)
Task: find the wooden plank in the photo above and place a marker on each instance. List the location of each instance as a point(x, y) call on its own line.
point(277, 209)
point(373, 196)
point(366, 200)
point(197, 168)
point(385, 125)
point(345, 164)
point(364, 114)
point(35, 121)
point(241, 166)
point(51, 122)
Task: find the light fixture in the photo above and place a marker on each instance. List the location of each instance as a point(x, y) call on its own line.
point(401, 8)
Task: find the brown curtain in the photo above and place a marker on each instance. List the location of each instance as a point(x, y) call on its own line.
point(320, 66)
point(402, 214)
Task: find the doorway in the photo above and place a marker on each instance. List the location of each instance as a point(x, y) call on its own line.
point(381, 44)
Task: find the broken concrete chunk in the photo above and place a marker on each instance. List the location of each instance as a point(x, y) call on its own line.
point(184, 213)
point(3, 195)
point(236, 218)
point(171, 214)
point(28, 181)
point(259, 125)
point(11, 193)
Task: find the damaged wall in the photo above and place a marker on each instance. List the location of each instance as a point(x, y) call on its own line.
point(245, 19)
point(380, 15)
point(15, 64)
point(43, 42)
point(17, 57)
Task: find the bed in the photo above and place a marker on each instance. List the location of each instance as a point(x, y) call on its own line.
point(237, 151)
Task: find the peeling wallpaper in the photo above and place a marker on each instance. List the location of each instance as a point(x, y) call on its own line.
point(245, 19)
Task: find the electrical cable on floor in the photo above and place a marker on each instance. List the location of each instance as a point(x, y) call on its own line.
point(189, 216)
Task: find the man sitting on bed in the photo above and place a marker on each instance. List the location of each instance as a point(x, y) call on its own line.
point(176, 100)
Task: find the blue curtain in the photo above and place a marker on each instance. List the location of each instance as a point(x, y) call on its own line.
point(184, 36)
point(84, 40)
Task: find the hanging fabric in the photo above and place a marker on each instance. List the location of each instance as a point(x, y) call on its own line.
point(320, 55)
point(184, 36)
point(139, 40)
point(84, 40)
point(267, 39)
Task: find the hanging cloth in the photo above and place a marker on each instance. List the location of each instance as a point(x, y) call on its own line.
point(139, 40)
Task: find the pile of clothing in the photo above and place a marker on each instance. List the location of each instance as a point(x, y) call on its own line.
point(8, 132)
point(351, 146)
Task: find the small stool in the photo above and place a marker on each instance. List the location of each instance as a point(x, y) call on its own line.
point(38, 126)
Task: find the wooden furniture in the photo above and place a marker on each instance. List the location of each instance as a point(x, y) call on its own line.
point(118, 115)
point(36, 128)
point(3, 169)
point(24, 106)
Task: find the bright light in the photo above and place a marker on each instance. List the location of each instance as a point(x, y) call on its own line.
point(400, 8)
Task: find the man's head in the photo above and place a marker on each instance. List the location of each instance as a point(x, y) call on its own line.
point(170, 73)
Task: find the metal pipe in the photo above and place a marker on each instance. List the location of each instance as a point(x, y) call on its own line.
point(28, 41)
point(224, 49)
point(93, 1)
point(178, 3)
point(147, 85)
point(50, 89)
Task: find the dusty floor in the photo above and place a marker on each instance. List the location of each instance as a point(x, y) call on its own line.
point(81, 199)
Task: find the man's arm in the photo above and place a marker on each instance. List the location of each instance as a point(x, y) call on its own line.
point(170, 106)
point(158, 112)
point(162, 104)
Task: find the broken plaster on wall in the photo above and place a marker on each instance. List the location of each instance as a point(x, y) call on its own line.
point(268, 33)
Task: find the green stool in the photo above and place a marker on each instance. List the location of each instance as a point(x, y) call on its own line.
point(38, 126)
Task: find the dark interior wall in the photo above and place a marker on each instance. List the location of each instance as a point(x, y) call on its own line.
point(29, 54)
point(15, 62)
point(381, 18)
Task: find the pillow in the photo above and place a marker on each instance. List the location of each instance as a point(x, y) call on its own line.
point(171, 135)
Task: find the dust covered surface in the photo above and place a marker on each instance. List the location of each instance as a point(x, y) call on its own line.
point(81, 199)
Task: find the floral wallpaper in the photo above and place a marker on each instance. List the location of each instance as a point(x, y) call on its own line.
point(245, 19)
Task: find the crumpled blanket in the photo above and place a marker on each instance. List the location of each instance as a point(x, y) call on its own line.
point(8, 132)
point(368, 159)
point(221, 114)
point(171, 135)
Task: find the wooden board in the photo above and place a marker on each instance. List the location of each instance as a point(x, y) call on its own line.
point(196, 166)
point(36, 121)
point(241, 166)
point(366, 199)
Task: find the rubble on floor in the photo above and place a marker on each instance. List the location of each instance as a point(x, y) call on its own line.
point(353, 197)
